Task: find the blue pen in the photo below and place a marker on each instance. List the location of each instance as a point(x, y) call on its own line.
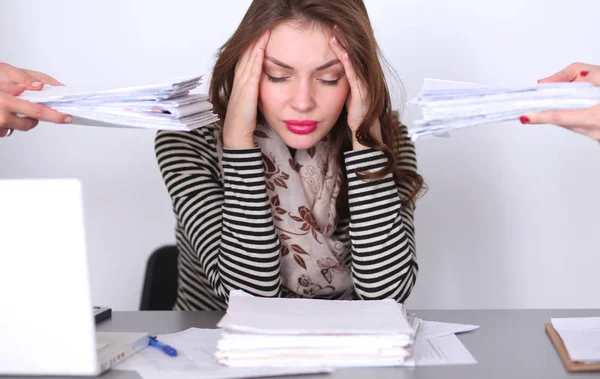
point(161, 346)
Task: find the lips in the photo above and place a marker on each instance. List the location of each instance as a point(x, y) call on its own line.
point(301, 126)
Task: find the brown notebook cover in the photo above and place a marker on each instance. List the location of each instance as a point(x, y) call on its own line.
point(570, 365)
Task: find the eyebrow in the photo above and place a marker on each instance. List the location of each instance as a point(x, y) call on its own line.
point(287, 66)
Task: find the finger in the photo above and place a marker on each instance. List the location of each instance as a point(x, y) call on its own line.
point(5, 132)
point(33, 110)
point(595, 135)
point(583, 119)
point(11, 74)
point(592, 76)
point(242, 65)
point(12, 89)
point(568, 74)
point(342, 55)
point(257, 64)
point(11, 121)
point(253, 52)
point(263, 41)
point(32, 84)
point(44, 78)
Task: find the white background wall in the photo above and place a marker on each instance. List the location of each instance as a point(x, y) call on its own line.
point(511, 216)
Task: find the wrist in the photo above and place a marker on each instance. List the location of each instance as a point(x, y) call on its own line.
point(374, 132)
point(238, 142)
point(355, 144)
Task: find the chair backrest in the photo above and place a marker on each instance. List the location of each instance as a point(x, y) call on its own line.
point(160, 282)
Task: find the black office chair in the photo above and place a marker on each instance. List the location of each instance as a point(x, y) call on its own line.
point(160, 282)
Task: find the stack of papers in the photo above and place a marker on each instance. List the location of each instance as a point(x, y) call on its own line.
point(196, 360)
point(448, 105)
point(436, 344)
point(275, 332)
point(166, 105)
point(581, 337)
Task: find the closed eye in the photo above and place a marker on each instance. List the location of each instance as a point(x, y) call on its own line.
point(276, 79)
point(330, 82)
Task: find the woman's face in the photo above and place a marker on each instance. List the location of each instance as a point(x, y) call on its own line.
point(303, 86)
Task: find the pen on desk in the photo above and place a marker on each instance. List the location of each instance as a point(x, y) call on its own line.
point(161, 346)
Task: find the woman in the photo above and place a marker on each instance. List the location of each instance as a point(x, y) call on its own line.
point(307, 187)
point(584, 121)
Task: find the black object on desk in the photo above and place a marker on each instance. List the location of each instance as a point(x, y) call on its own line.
point(102, 313)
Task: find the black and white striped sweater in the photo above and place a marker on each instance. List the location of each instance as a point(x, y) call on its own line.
point(214, 222)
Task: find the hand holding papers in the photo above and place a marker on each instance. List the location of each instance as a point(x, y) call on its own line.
point(448, 106)
point(274, 332)
point(164, 106)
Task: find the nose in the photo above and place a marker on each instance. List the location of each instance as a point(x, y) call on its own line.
point(303, 98)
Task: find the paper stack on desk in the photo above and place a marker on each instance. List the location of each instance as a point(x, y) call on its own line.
point(275, 332)
point(164, 106)
point(581, 337)
point(448, 105)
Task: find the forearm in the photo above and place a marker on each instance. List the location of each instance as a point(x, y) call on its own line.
point(383, 256)
point(249, 254)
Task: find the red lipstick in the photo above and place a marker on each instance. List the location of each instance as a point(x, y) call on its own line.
point(301, 126)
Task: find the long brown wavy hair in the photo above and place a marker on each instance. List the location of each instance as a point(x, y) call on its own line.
point(357, 37)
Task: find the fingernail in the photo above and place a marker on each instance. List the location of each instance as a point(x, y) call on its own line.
point(334, 39)
point(524, 120)
point(584, 73)
point(68, 119)
point(36, 84)
point(346, 55)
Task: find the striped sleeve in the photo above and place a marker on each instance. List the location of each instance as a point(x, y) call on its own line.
point(229, 225)
point(381, 230)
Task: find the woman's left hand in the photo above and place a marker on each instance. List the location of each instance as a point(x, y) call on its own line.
point(357, 102)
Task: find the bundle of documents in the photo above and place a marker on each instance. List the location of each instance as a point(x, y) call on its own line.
point(166, 105)
point(435, 345)
point(196, 360)
point(577, 341)
point(276, 332)
point(448, 105)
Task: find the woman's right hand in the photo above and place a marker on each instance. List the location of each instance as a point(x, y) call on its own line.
point(13, 81)
point(240, 119)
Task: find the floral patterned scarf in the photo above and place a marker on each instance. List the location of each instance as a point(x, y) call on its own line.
point(303, 192)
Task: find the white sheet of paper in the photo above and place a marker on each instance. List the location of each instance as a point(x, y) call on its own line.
point(444, 350)
point(284, 316)
point(432, 329)
point(195, 359)
point(85, 92)
point(581, 336)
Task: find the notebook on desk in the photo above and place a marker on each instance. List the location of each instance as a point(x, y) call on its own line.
point(43, 266)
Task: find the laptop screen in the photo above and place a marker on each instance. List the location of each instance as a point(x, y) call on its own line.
point(46, 322)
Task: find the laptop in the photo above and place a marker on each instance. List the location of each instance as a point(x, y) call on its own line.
point(47, 323)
